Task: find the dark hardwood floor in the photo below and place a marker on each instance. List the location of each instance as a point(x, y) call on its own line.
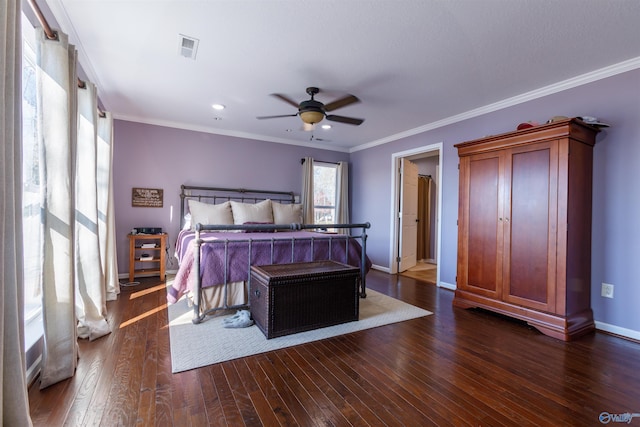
point(455, 367)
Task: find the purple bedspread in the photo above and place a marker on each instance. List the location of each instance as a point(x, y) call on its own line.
point(245, 249)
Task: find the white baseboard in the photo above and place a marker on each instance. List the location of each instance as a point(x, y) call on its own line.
point(617, 330)
point(381, 268)
point(446, 285)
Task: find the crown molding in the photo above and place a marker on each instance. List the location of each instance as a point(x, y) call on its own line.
point(602, 73)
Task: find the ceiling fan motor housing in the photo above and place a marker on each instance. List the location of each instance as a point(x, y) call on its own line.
point(311, 111)
point(311, 105)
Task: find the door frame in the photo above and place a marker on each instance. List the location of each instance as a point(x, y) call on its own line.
point(395, 203)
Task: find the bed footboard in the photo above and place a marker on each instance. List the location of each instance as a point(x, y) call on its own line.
point(266, 249)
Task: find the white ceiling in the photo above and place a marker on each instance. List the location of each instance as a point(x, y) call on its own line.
point(412, 63)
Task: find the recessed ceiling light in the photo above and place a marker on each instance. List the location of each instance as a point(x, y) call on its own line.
point(218, 106)
point(326, 126)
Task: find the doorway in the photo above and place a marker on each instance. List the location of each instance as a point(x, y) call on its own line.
point(428, 161)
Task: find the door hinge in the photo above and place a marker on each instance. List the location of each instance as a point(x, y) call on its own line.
point(398, 259)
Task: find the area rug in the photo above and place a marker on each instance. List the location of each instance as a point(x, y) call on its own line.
point(194, 346)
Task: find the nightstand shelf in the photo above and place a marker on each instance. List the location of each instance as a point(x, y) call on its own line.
point(140, 244)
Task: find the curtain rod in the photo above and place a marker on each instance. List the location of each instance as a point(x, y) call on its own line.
point(53, 35)
point(319, 161)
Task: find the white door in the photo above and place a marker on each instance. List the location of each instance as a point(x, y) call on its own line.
point(408, 243)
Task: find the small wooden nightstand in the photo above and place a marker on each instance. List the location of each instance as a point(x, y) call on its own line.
point(140, 244)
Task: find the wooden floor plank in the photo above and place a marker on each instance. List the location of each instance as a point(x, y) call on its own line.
point(122, 399)
point(456, 367)
point(147, 403)
point(230, 411)
point(352, 392)
point(260, 403)
point(243, 401)
point(298, 410)
point(348, 412)
point(278, 406)
point(331, 413)
point(163, 389)
point(211, 400)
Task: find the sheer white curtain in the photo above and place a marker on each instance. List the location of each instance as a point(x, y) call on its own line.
point(57, 99)
point(307, 191)
point(106, 211)
point(15, 404)
point(91, 304)
point(342, 195)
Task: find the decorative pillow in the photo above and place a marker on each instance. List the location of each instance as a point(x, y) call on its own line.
point(187, 222)
point(287, 213)
point(205, 213)
point(252, 212)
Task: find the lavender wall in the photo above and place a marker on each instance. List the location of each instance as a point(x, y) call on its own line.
point(616, 198)
point(151, 156)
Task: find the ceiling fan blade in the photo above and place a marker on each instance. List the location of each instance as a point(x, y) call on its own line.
point(285, 99)
point(342, 102)
point(347, 120)
point(275, 117)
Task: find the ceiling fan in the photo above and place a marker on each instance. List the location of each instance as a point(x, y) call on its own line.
point(312, 111)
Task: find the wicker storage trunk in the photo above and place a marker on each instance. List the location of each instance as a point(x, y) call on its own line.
point(289, 298)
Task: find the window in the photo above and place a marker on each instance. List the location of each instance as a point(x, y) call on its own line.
point(324, 192)
point(31, 197)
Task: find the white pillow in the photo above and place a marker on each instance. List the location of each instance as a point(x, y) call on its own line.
point(187, 222)
point(252, 212)
point(205, 213)
point(287, 213)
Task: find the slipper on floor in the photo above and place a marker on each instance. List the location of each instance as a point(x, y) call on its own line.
point(235, 317)
point(242, 319)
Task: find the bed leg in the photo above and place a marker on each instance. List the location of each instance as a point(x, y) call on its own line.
point(197, 317)
point(363, 260)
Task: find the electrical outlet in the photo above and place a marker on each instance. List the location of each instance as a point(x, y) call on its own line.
point(607, 290)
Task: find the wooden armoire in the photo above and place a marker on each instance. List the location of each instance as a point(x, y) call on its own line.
point(524, 226)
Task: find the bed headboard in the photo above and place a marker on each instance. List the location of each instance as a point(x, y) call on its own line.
point(215, 195)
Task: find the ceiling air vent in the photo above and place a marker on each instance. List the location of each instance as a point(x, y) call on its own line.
point(188, 46)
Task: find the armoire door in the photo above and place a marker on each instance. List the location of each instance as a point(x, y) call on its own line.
point(480, 228)
point(530, 222)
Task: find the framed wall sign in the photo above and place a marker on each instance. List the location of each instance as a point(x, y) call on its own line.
point(147, 197)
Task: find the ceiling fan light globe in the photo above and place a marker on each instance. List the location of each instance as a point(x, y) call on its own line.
point(311, 117)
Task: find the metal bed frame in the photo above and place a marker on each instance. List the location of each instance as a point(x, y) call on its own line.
point(213, 195)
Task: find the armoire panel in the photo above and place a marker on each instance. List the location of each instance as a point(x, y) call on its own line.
point(483, 223)
point(529, 225)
